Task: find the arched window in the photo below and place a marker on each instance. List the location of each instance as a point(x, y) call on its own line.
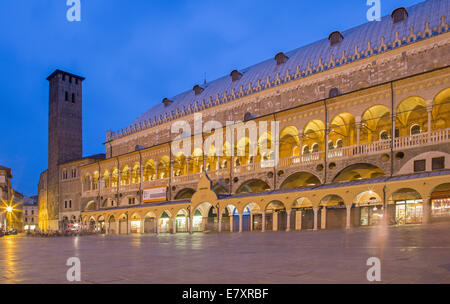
point(315, 148)
point(330, 145)
point(384, 135)
point(339, 143)
point(306, 149)
point(415, 129)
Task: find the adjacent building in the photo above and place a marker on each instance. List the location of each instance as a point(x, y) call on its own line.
point(30, 213)
point(349, 131)
point(10, 202)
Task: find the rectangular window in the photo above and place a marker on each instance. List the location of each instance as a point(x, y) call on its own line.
point(65, 204)
point(66, 96)
point(419, 165)
point(32, 212)
point(438, 163)
point(70, 204)
point(73, 97)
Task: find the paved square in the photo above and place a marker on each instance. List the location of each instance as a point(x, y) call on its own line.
point(409, 254)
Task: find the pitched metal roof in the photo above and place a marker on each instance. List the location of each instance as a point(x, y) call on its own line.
point(303, 62)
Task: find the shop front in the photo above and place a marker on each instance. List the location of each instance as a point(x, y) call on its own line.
point(409, 211)
point(440, 203)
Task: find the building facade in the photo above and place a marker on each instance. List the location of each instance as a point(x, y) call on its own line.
point(10, 202)
point(30, 213)
point(348, 131)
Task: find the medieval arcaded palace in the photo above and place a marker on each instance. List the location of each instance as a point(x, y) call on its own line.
point(363, 137)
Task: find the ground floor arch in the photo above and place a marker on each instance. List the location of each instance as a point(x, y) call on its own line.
point(123, 224)
point(333, 212)
point(229, 218)
point(275, 216)
point(368, 209)
point(150, 223)
point(440, 203)
point(182, 221)
point(205, 218)
point(406, 207)
point(252, 218)
point(304, 215)
point(112, 227)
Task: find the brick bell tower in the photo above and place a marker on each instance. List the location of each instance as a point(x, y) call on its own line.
point(65, 134)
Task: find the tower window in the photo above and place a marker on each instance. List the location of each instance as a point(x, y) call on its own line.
point(63, 77)
point(70, 79)
point(66, 97)
point(281, 58)
point(198, 89)
point(73, 97)
point(335, 38)
point(399, 14)
point(235, 75)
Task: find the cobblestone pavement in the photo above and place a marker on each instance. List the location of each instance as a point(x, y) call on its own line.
point(409, 254)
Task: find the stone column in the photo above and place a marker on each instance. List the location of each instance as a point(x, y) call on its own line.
point(426, 210)
point(240, 222)
point(348, 220)
point(430, 118)
point(219, 228)
point(191, 224)
point(358, 132)
point(186, 223)
point(298, 220)
point(263, 228)
point(300, 139)
point(288, 220)
point(316, 210)
point(275, 221)
point(231, 223)
point(204, 222)
point(251, 221)
point(142, 226)
point(156, 225)
point(174, 225)
point(323, 221)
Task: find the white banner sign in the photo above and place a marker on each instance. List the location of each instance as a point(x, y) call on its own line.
point(154, 194)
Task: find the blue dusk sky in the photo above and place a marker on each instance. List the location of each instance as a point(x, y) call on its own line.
point(135, 53)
